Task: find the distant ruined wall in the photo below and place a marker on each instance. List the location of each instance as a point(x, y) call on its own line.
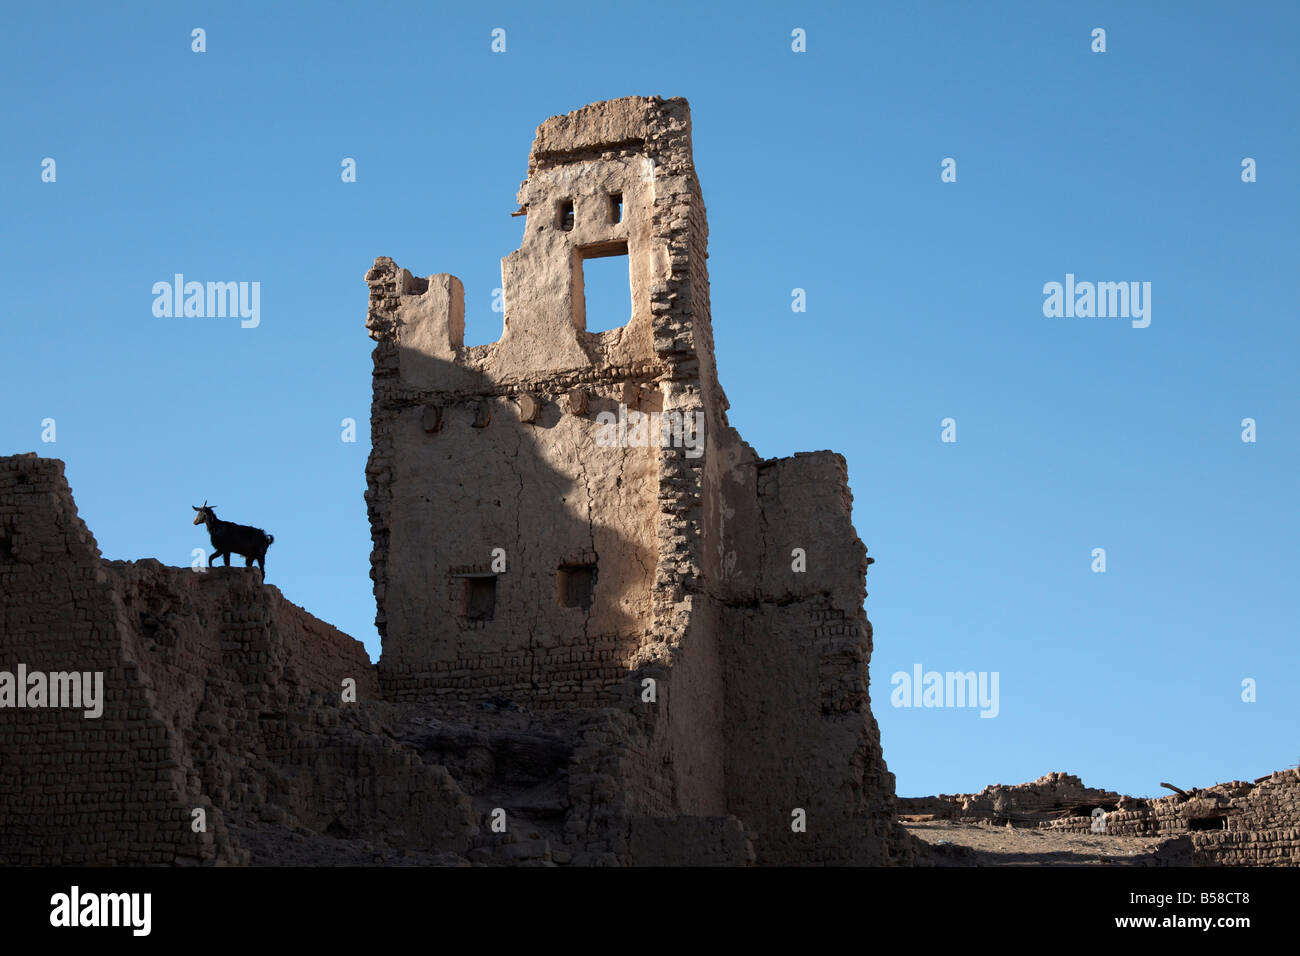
point(218, 694)
point(1051, 796)
point(1231, 824)
point(760, 669)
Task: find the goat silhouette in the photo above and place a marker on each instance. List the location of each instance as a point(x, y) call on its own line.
point(229, 538)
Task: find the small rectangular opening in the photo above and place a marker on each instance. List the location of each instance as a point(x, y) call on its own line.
point(575, 585)
point(480, 597)
point(566, 215)
point(615, 207)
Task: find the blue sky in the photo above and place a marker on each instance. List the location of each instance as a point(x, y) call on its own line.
point(820, 171)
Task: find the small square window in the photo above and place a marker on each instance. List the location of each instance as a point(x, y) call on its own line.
point(480, 597)
point(575, 585)
point(566, 215)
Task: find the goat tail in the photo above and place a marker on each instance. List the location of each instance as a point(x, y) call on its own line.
point(270, 539)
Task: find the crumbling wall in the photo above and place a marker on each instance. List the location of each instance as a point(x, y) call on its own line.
point(1052, 796)
point(495, 446)
point(75, 789)
point(798, 646)
point(443, 499)
point(218, 694)
point(1261, 826)
point(759, 699)
point(1233, 824)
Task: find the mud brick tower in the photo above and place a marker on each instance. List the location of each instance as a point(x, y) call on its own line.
point(518, 556)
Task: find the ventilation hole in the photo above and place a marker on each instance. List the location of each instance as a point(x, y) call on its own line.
point(615, 207)
point(566, 215)
point(575, 585)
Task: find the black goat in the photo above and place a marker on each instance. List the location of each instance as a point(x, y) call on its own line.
point(229, 538)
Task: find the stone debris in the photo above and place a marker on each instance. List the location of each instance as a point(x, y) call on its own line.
point(1022, 805)
point(1234, 823)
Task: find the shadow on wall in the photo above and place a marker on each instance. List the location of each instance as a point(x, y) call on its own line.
point(518, 554)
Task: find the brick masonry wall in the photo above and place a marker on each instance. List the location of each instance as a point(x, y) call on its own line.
point(78, 790)
point(1231, 824)
point(1048, 797)
point(218, 694)
point(532, 651)
point(698, 613)
point(797, 658)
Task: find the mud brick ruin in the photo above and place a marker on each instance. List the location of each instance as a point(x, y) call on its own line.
point(613, 648)
point(1254, 824)
point(1251, 824)
point(621, 564)
point(218, 695)
point(1025, 804)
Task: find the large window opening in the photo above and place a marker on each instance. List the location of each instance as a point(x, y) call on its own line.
point(602, 287)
